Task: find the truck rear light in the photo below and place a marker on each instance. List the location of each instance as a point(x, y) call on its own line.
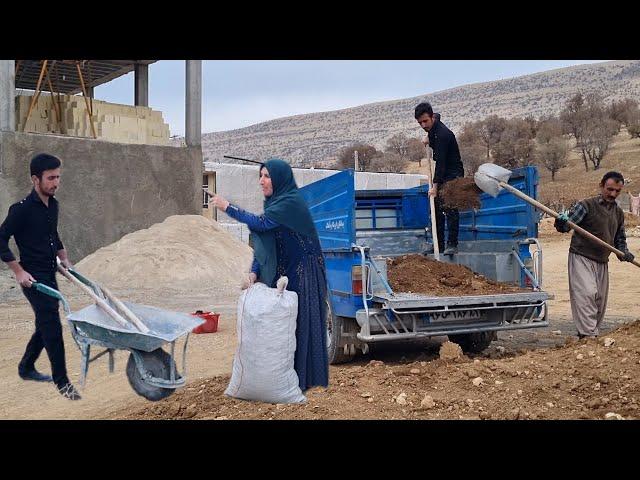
point(356, 279)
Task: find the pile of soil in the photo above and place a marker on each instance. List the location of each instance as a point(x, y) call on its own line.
point(183, 252)
point(594, 378)
point(419, 274)
point(461, 193)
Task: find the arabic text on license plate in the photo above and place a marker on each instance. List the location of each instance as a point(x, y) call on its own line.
point(463, 315)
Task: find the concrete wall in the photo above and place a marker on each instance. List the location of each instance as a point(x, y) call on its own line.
point(239, 185)
point(107, 189)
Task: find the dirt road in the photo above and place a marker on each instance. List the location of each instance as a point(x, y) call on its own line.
point(601, 381)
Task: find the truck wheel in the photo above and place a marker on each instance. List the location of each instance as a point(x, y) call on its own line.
point(336, 325)
point(473, 342)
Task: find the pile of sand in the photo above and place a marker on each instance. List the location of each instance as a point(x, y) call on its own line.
point(183, 252)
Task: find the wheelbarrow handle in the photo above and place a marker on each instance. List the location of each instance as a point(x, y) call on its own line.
point(52, 292)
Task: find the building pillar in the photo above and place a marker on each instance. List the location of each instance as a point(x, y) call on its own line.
point(141, 73)
point(7, 95)
point(193, 110)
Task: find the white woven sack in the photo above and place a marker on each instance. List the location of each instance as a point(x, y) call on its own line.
point(263, 363)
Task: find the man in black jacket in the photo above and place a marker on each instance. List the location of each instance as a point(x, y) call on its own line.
point(448, 166)
point(33, 223)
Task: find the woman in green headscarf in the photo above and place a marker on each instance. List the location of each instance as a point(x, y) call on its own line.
point(285, 242)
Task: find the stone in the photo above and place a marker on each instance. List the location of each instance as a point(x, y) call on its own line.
point(500, 349)
point(427, 402)
point(613, 416)
point(579, 356)
point(365, 395)
point(477, 381)
point(557, 332)
point(450, 351)
point(401, 399)
point(608, 341)
point(414, 371)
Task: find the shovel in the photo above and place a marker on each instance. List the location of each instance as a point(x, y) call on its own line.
point(492, 178)
point(434, 228)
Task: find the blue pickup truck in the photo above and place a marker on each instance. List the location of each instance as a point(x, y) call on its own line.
point(360, 229)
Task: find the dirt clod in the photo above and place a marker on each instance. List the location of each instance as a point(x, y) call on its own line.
point(461, 193)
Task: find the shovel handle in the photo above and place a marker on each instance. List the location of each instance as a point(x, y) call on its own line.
point(125, 311)
point(432, 206)
point(575, 227)
point(100, 302)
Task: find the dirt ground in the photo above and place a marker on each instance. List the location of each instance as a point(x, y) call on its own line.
point(539, 373)
point(419, 274)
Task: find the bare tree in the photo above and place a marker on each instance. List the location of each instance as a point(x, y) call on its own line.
point(633, 127)
point(388, 162)
point(573, 119)
point(548, 129)
point(623, 111)
point(472, 149)
point(588, 120)
point(417, 150)
point(399, 144)
point(366, 153)
point(552, 153)
point(515, 148)
point(490, 130)
point(597, 140)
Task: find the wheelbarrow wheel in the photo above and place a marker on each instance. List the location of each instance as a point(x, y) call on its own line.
point(157, 363)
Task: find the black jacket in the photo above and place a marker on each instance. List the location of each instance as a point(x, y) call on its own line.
point(34, 227)
point(445, 153)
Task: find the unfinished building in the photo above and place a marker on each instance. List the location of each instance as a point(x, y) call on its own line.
point(119, 172)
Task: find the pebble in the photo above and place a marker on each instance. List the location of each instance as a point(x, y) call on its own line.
point(370, 399)
point(414, 371)
point(596, 386)
point(579, 356)
point(613, 416)
point(427, 402)
point(608, 341)
point(500, 349)
point(401, 399)
point(550, 404)
point(557, 332)
point(477, 381)
point(498, 382)
point(365, 395)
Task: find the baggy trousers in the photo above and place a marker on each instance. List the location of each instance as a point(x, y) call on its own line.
point(588, 292)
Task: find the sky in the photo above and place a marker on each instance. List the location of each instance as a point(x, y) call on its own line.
point(240, 93)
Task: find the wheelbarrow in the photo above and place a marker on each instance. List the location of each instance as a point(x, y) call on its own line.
point(152, 372)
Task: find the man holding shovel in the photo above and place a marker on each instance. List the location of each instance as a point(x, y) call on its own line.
point(33, 222)
point(448, 166)
point(588, 261)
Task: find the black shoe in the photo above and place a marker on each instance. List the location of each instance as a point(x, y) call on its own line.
point(69, 391)
point(450, 250)
point(35, 376)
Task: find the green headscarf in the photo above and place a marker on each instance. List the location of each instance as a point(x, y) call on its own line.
point(285, 207)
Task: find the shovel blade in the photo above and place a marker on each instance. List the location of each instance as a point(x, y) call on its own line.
point(489, 176)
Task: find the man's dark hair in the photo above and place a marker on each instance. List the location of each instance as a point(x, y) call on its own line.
point(617, 177)
point(42, 162)
point(422, 108)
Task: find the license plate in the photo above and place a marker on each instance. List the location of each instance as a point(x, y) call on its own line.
point(456, 316)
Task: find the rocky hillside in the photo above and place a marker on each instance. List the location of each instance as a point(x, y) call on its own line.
point(311, 139)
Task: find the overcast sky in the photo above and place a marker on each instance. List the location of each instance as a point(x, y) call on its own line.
point(240, 93)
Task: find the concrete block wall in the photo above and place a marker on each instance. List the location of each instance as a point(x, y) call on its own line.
point(239, 184)
point(113, 122)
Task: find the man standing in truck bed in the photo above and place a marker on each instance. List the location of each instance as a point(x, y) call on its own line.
point(448, 166)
